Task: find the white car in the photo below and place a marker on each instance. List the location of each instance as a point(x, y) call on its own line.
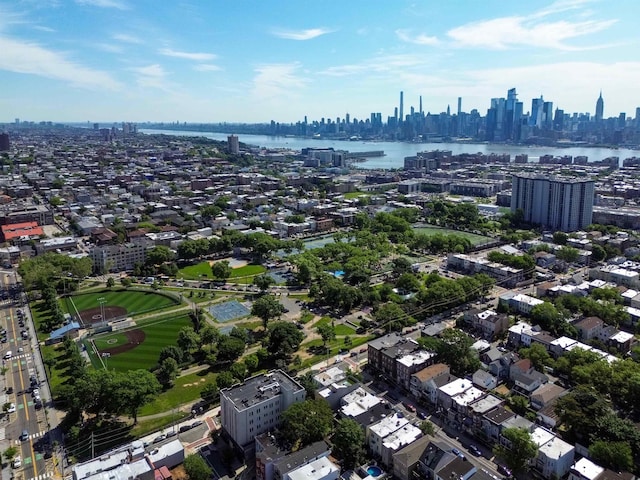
point(17, 462)
point(12, 408)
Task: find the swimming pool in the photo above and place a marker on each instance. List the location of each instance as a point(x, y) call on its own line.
point(374, 471)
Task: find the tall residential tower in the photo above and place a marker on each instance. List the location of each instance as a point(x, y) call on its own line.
point(555, 203)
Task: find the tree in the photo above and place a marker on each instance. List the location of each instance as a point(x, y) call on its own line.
point(522, 449)
point(135, 388)
point(10, 452)
point(225, 379)
point(327, 332)
point(455, 350)
point(348, 443)
point(188, 340)
point(427, 428)
point(196, 468)
point(126, 282)
point(283, 340)
point(229, 348)
point(568, 254)
point(546, 315)
point(221, 270)
point(111, 282)
point(167, 372)
point(538, 355)
point(252, 362)
point(209, 392)
point(617, 456)
point(560, 238)
point(159, 255)
point(400, 265)
point(263, 282)
point(171, 351)
point(307, 422)
point(266, 308)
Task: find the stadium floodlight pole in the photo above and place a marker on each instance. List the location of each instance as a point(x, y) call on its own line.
point(102, 301)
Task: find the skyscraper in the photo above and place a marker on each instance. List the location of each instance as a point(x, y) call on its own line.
point(401, 119)
point(599, 108)
point(555, 203)
point(233, 144)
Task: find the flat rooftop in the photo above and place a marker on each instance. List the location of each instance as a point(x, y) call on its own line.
point(260, 388)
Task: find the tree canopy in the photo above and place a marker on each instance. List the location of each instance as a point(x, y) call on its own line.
point(520, 451)
point(306, 422)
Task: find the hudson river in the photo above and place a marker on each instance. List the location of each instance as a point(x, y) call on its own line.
point(396, 151)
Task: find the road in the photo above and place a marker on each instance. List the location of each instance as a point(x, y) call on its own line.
point(19, 368)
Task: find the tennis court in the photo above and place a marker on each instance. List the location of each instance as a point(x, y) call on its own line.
point(227, 311)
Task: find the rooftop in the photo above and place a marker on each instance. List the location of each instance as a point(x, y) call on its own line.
point(260, 388)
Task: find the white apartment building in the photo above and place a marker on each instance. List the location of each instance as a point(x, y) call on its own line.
point(117, 258)
point(255, 406)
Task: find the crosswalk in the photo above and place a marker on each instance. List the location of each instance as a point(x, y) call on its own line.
point(42, 476)
point(33, 436)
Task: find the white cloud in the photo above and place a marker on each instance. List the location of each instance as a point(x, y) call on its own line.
point(44, 29)
point(420, 39)
point(533, 30)
point(277, 80)
point(301, 34)
point(381, 63)
point(206, 67)
point(30, 58)
point(104, 4)
point(197, 57)
point(110, 47)
point(151, 76)
point(126, 38)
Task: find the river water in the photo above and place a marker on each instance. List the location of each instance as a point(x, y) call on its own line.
point(395, 152)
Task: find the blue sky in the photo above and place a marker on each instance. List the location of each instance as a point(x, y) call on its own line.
point(253, 61)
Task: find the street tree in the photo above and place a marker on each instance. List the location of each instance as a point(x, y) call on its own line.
point(111, 282)
point(266, 308)
point(522, 449)
point(225, 379)
point(209, 392)
point(455, 350)
point(263, 282)
point(348, 443)
point(538, 355)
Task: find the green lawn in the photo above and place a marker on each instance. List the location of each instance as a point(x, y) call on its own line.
point(352, 195)
point(158, 334)
point(135, 301)
point(187, 389)
point(342, 329)
point(195, 272)
point(203, 270)
point(334, 347)
point(475, 239)
point(247, 271)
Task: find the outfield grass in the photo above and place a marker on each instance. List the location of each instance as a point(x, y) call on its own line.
point(186, 389)
point(158, 334)
point(475, 239)
point(203, 270)
point(134, 301)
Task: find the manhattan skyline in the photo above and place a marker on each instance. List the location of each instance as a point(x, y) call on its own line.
point(103, 60)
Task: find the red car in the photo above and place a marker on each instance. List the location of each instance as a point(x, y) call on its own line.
point(410, 407)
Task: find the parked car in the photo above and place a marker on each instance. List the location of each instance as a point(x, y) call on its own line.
point(9, 390)
point(17, 462)
point(184, 428)
point(422, 415)
point(12, 408)
point(159, 438)
point(475, 450)
point(410, 407)
point(504, 470)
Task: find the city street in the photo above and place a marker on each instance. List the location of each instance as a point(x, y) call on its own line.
point(20, 368)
